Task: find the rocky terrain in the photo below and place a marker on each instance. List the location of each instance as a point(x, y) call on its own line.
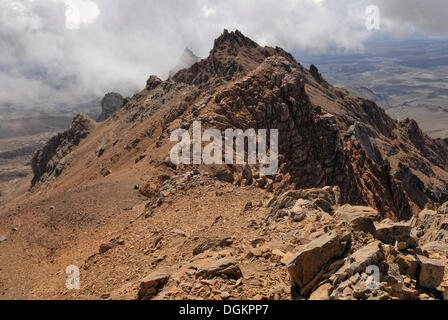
point(356, 210)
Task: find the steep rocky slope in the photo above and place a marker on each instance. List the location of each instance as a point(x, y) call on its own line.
point(349, 193)
point(47, 161)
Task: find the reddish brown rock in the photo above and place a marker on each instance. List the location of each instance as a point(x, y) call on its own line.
point(225, 266)
point(360, 218)
point(431, 272)
point(307, 265)
point(152, 285)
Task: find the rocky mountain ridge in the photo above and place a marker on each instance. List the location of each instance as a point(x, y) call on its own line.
point(355, 189)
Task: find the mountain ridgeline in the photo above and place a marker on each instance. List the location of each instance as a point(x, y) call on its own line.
point(327, 136)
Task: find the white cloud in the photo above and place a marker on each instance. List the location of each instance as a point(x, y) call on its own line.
point(410, 16)
point(208, 11)
point(78, 12)
point(114, 45)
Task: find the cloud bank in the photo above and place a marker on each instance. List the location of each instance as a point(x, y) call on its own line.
point(415, 16)
point(62, 53)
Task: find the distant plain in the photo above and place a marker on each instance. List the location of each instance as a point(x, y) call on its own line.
point(409, 79)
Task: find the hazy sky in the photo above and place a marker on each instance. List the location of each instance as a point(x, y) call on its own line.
point(62, 52)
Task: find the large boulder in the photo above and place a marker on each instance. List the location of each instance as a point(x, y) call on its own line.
point(368, 255)
point(431, 272)
point(360, 218)
point(408, 265)
point(308, 265)
point(391, 233)
point(152, 285)
point(226, 266)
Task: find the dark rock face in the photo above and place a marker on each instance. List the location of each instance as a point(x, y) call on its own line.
point(361, 134)
point(316, 74)
point(153, 82)
point(412, 184)
point(110, 104)
point(46, 161)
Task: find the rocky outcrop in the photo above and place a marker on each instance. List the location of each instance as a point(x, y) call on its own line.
point(316, 75)
point(361, 134)
point(307, 266)
point(431, 226)
point(152, 285)
point(431, 273)
point(327, 137)
point(225, 266)
point(412, 184)
point(326, 208)
point(392, 233)
point(312, 149)
point(346, 263)
point(153, 82)
point(360, 218)
point(46, 161)
point(110, 104)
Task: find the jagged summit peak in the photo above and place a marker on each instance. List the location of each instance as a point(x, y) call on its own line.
point(233, 39)
point(233, 55)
